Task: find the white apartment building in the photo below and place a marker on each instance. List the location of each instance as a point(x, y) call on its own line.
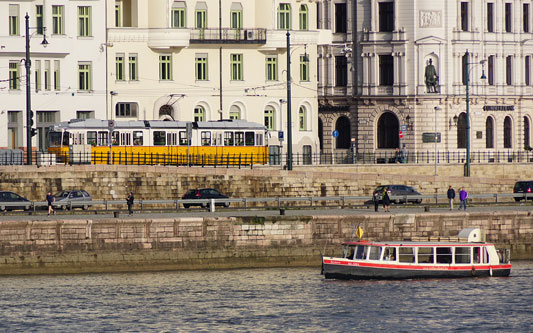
point(379, 90)
point(68, 75)
point(216, 59)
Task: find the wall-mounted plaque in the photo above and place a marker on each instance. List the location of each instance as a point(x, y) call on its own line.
point(430, 137)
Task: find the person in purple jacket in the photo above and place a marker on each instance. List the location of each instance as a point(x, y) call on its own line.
point(463, 196)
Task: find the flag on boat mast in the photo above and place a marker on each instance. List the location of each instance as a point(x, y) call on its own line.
point(359, 232)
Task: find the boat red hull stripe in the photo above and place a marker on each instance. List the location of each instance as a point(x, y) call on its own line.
point(415, 267)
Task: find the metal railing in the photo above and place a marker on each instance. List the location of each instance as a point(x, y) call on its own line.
point(228, 35)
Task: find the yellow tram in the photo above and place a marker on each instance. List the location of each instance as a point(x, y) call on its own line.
point(159, 142)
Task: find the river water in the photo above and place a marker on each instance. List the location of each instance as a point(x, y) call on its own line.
point(264, 300)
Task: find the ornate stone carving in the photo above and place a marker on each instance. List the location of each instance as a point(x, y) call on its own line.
point(430, 19)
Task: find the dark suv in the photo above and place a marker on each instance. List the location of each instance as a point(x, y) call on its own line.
point(204, 193)
point(398, 190)
point(525, 186)
point(10, 197)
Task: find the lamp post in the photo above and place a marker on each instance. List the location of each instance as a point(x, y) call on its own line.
point(436, 108)
point(467, 84)
point(289, 121)
point(29, 114)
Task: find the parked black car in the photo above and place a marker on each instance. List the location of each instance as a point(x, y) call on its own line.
point(204, 193)
point(78, 198)
point(525, 186)
point(401, 190)
point(6, 196)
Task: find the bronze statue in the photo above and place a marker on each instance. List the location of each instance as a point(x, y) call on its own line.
point(432, 79)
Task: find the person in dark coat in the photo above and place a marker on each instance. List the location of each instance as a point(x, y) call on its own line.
point(451, 196)
point(375, 198)
point(386, 200)
point(129, 200)
point(50, 199)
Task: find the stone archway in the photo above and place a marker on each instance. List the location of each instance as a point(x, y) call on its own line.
point(343, 127)
point(166, 112)
point(321, 134)
point(461, 131)
point(388, 133)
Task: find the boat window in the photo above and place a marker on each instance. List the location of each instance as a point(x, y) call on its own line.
point(462, 255)
point(444, 255)
point(425, 255)
point(348, 251)
point(360, 252)
point(407, 254)
point(159, 138)
point(375, 253)
point(480, 255)
point(389, 254)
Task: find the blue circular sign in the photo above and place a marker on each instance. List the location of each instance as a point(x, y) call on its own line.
point(335, 134)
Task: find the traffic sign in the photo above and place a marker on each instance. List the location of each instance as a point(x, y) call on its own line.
point(335, 134)
point(111, 124)
point(280, 135)
point(401, 134)
point(403, 128)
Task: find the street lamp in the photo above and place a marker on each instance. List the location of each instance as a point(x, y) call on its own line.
point(467, 84)
point(437, 108)
point(29, 114)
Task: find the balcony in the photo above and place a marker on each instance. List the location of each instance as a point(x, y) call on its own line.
point(228, 36)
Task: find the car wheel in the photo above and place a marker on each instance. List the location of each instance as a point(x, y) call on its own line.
point(186, 205)
point(85, 207)
point(226, 204)
point(3, 208)
point(517, 199)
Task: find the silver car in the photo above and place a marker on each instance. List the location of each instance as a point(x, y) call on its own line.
point(73, 199)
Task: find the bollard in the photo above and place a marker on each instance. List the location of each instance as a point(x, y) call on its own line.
point(426, 208)
point(212, 205)
point(282, 211)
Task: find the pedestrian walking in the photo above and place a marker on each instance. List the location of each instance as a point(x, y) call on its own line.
point(463, 196)
point(129, 200)
point(50, 199)
point(451, 196)
point(385, 198)
point(375, 198)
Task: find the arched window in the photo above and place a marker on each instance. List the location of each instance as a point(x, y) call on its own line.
point(343, 127)
point(388, 131)
point(199, 113)
point(489, 130)
point(302, 118)
point(269, 118)
point(166, 112)
point(304, 18)
point(461, 131)
point(234, 112)
point(507, 133)
point(284, 16)
point(527, 131)
point(321, 133)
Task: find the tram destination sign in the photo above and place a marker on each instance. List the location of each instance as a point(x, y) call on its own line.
point(498, 108)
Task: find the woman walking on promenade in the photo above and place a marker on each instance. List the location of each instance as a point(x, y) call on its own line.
point(463, 196)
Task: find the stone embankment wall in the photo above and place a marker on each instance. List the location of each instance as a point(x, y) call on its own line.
point(113, 245)
point(158, 182)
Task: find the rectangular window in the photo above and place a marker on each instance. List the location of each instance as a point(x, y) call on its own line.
point(84, 77)
point(444, 255)
point(125, 139)
point(228, 138)
point(206, 138)
point(272, 68)
point(525, 17)
point(183, 139)
point(58, 20)
point(118, 14)
point(464, 64)
point(57, 77)
point(406, 254)
point(200, 65)
point(236, 19)
point(165, 67)
point(84, 114)
point(172, 139)
point(509, 70)
point(126, 110)
point(508, 17)
point(284, 16)
point(178, 14)
point(389, 254)
point(14, 20)
point(341, 71)
point(239, 138)
point(462, 255)
point(386, 16)
point(39, 18)
point(425, 255)
point(490, 17)
point(47, 77)
point(236, 67)
point(249, 138)
point(374, 253)
point(200, 19)
point(304, 18)
point(341, 20)
point(490, 70)
point(138, 138)
point(102, 138)
point(133, 67)
point(120, 67)
point(302, 119)
point(527, 70)
point(386, 70)
point(464, 16)
point(84, 21)
point(14, 79)
point(304, 67)
point(37, 75)
point(259, 139)
point(269, 119)
point(91, 138)
point(159, 138)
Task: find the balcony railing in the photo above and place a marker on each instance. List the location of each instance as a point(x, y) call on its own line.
point(228, 36)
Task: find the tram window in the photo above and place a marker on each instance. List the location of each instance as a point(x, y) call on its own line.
point(172, 139)
point(375, 253)
point(239, 138)
point(137, 138)
point(444, 255)
point(389, 254)
point(125, 139)
point(55, 139)
point(425, 255)
point(91, 138)
point(259, 139)
point(115, 138)
point(183, 138)
point(81, 138)
point(102, 138)
point(249, 138)
point(462, 255)
point(206, 138)
point(406, 254)
point(159, 138)
point(360, 252)
point(228, 138)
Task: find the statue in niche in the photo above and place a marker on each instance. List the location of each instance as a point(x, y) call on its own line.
point(431, 77)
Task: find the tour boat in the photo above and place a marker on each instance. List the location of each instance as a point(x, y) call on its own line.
point(464, 256)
